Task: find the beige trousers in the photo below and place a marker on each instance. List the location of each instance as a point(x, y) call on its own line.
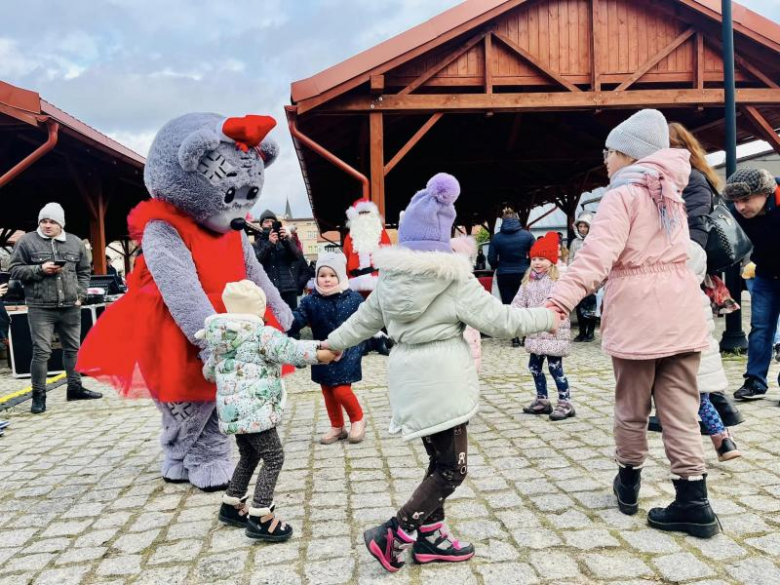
point(671, 383)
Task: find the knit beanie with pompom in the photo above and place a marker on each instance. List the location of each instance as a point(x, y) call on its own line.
point(428, 218)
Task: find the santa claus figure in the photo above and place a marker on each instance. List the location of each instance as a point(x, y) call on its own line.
point(366, 235)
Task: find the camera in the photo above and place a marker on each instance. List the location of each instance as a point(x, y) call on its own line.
point(277, 225)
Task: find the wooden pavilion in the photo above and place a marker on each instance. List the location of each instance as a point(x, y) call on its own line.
point(48, 155)
point(516, 97)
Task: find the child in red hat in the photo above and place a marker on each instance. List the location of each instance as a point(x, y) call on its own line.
point(534, 290)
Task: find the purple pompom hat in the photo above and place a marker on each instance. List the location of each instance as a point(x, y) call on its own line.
point(428, 219)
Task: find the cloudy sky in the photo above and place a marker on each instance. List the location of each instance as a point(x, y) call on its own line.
point(127, 66)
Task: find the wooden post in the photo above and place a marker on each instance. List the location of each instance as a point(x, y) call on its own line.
point(97, 225)
point(377, 160)
point(488, 64)
point(698, 60)
point(595, 51)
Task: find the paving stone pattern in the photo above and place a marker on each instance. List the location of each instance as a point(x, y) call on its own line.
point(81, 499)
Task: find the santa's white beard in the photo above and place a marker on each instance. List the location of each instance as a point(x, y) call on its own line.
point(366, 233)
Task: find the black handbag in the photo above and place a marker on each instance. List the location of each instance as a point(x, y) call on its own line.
point(727, 242)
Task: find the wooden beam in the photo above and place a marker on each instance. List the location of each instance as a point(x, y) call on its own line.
point(698, 62)
point(763, 128)
point(535, 62)
point(412, 141)
point(595, 46)
point(652, 61)
point(376, 126)
point(377, 84)
point(488, 64)
point(520, 102)
point(746, 65)
point(97, 224)
point(449, 58)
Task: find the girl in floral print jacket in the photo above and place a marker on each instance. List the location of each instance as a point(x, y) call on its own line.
point(245, 359)
point(535, 288)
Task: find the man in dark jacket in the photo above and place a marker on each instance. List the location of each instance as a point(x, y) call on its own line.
point(54, 269)
point(755, 196)
point(278, 253)
point(508, 256)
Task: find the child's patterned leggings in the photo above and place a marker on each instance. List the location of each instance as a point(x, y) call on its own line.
point(709, 416)
point(252, 448)
point(555, 365)
point(337, 397)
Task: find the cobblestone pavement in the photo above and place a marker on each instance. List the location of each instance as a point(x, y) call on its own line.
point(81, 500)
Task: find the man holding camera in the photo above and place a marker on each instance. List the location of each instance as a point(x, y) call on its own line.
point(277, 251)
point(54, 268)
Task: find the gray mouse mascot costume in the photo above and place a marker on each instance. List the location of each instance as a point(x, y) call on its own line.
point(204, 173)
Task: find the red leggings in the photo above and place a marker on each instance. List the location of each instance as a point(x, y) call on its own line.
point(335, 398)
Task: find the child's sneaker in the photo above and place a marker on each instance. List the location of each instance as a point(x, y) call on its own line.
point(264, 525)
point(234, 511)
point(387, 544)
point(334, 434)
point(538, 406)
point(563, 410)
point(434, 544)
point(357, 431)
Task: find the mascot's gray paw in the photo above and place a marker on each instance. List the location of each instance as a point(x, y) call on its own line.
point(212, 477)
point(173, 471)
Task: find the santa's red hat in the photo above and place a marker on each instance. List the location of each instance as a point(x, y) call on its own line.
point(546, 247)
point(360, 205)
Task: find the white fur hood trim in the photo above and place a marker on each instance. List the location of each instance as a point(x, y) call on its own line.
point(441, 265)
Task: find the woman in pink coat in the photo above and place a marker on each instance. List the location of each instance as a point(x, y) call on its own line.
point(652, 323)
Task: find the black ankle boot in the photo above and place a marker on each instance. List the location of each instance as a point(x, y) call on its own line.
point(38, 402)
point(81, 393)
point(626, 488)
point(590, 329)
point(690, 512)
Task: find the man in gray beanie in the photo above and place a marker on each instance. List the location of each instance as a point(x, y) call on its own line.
point(54, 268)
point(755, 197)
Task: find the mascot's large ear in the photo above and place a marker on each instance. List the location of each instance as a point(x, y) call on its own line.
point(194, 146)
point(270, 150)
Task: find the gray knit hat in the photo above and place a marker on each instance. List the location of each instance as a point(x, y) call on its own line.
point(641, 135)
point(54, 212)
point(749, 182)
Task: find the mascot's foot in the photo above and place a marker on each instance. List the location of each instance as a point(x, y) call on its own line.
point(169, 480)
point(174, 472)
point(211, 477)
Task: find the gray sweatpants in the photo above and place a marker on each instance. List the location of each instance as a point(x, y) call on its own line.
point(43, 323)
point(252, 448)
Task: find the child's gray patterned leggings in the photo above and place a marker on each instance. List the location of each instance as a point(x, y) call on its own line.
point(252, 448)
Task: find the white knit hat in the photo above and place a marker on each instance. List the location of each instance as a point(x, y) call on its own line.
point(337, 262)
point(54, 212)
point(244, 297)
point(641, 135)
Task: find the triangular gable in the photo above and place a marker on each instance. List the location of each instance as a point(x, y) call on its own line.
point(411, 53)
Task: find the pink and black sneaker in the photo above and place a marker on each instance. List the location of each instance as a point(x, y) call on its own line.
point(387, 544)
point(434, 544)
